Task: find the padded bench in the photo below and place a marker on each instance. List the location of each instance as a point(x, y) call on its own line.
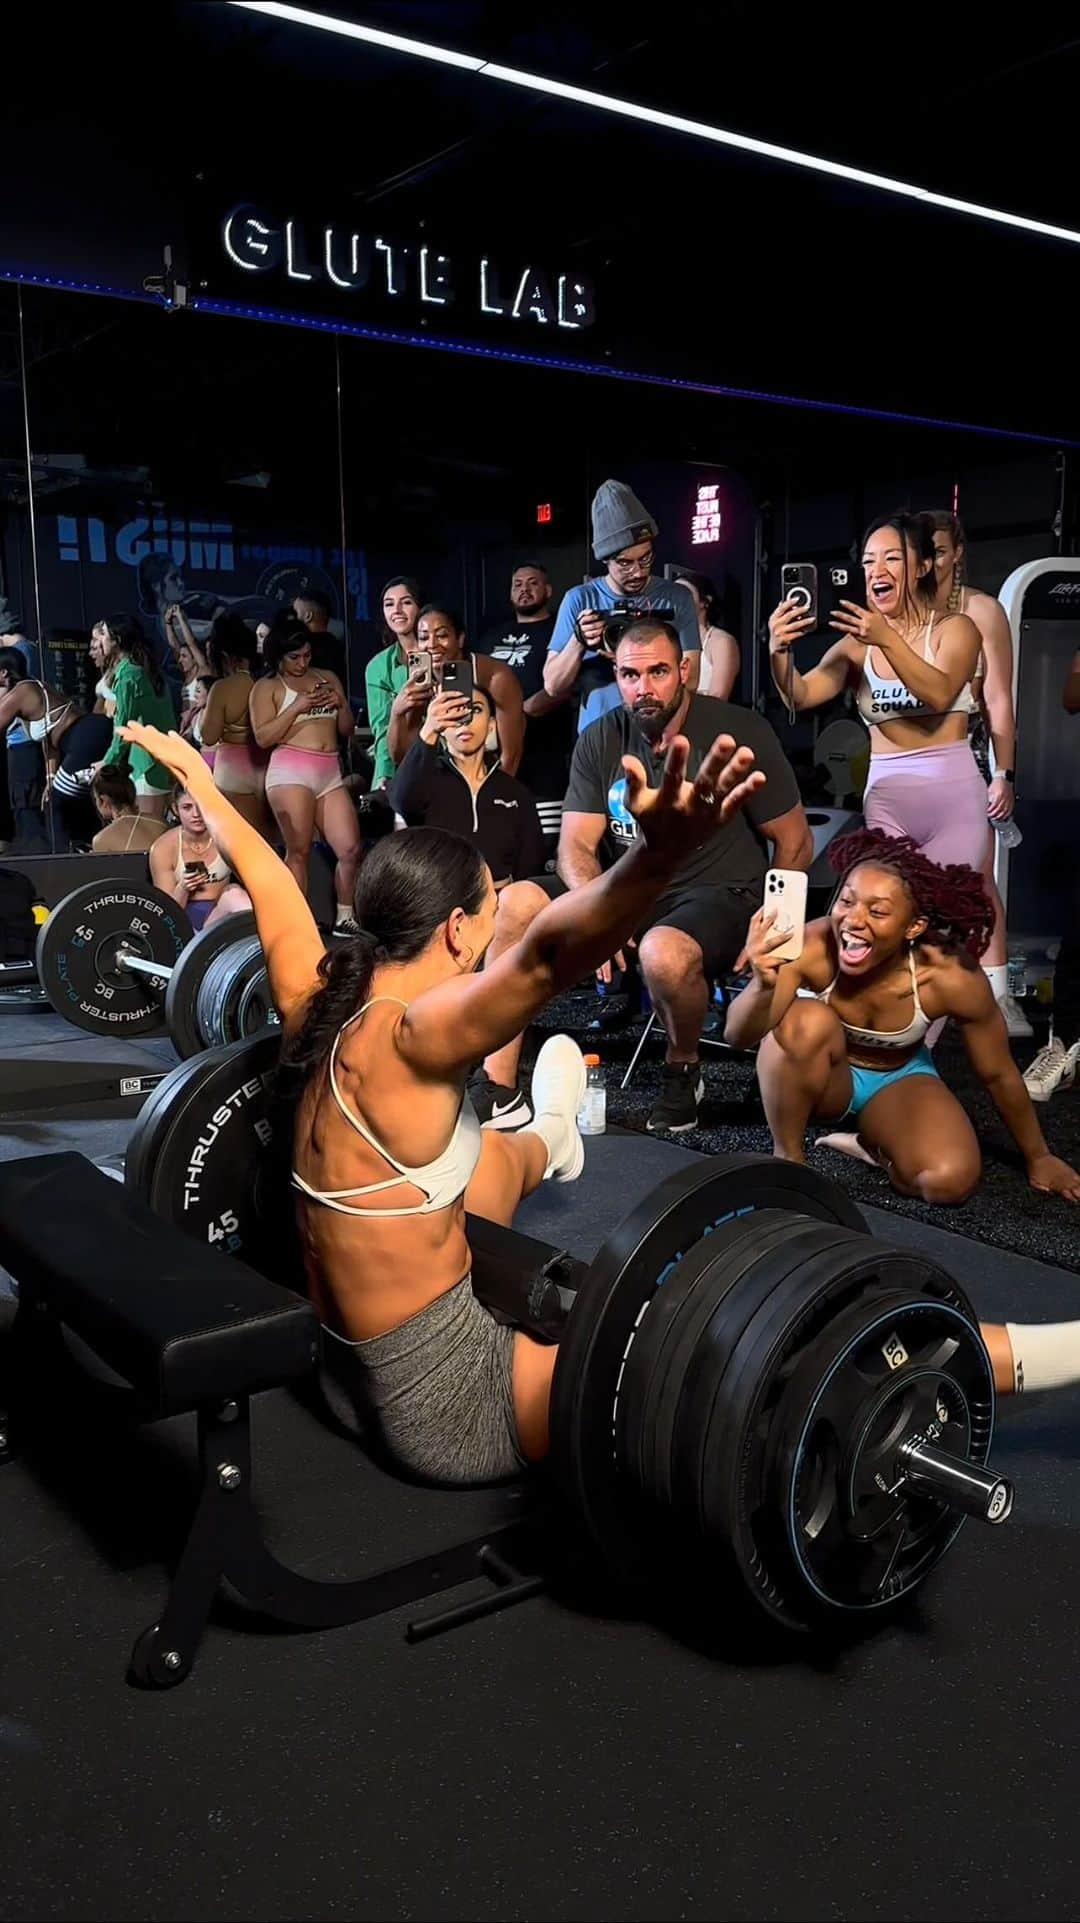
point(192, 1330)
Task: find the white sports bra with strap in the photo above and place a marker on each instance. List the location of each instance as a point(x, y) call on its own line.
point(882, 698)
point(870, 1038)
point(45, 723)
point(441, 1182)
point(313, 714)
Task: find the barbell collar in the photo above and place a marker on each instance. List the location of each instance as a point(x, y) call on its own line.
point(977, 1492)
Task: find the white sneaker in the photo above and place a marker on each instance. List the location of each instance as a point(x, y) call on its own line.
point(558, 1089)
point(1054, 1067)
point(1015, 1019)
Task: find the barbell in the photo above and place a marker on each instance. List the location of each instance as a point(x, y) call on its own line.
point(749, 1386)
point(117, 959)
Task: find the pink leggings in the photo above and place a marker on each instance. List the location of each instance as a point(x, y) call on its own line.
point(935, 795)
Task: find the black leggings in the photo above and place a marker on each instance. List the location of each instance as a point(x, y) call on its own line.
point(74, 817)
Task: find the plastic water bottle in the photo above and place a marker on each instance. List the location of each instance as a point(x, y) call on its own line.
point(1008, 833)
point(1017, 982)
point(592, 1115)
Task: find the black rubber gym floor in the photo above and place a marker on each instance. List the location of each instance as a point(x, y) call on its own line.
point(556, 1761)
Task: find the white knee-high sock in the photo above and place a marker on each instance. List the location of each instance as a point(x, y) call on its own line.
point(998, 977)
point(1046, 1355)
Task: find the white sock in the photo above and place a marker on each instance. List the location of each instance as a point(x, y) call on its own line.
point(998, 977)
point(557, 1133)
point(344, 913)
point(1046, 1355)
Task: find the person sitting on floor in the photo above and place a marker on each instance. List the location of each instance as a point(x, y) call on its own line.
point(185, 864)
point(379, 1037)
point(696, 930)
point(842, 1030)
point(126, 831)
point(449, 780)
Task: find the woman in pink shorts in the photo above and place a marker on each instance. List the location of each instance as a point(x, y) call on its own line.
point(228, 744)
point(300, 715)
point(912, 668)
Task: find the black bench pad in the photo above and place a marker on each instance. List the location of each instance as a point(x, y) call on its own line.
point(183, 1324)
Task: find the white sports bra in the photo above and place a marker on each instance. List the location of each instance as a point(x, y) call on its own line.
point(218, 870)
point(45, 723)
point(888, 699)
point(870, 1038)
point(441, 1181)
point(103, 692)
point(313, 714)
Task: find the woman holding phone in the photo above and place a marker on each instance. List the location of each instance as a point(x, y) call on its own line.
point(912, 668)
point(843, 1027)
point(300, 716)
point(441, 662)
point(186, 864)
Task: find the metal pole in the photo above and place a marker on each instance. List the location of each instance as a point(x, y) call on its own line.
point(341, 506)
point(29, 468)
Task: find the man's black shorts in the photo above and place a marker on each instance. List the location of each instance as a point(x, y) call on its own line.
point(716, 918)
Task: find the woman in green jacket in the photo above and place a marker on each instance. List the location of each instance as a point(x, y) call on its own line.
point(140, 693)
point(387, 672)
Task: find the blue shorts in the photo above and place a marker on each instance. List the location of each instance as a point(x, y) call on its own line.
point(868, 1082)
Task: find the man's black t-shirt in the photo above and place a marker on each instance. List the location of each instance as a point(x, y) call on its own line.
point(733, 857)
point(549, 738)
point(523, 645)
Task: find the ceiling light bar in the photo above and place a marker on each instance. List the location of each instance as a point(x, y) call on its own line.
point(655, 117)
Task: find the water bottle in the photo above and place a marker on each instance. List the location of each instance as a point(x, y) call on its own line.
point(592, 1115)
point(1017, 983)
point(1008, 833)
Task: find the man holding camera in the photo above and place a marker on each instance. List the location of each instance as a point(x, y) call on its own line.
point(592, 616)
point(697, 929)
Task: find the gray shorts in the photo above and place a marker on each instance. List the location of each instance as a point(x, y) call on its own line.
point(433, 1396)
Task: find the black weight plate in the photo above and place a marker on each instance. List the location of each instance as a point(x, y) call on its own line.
point(203, 1155)
point(666, 1339)
point(725, 1438)
point(256, 1009)
point(617, 1289)
point(219, 995)
point(868, 1380)
point(182, 999)
point(78, 947)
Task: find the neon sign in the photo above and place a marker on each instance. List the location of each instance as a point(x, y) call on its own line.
point(705, 521)
point(391, 271)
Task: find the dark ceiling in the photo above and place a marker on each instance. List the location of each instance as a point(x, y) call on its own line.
point(710, 264)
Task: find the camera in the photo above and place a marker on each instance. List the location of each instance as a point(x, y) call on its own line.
point(617, 619)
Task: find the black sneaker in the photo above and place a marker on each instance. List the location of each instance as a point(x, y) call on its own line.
point(676, 1106)
point(346, 928)
point(499, 1107)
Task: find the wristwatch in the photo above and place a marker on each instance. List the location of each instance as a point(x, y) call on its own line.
point(1009, 775)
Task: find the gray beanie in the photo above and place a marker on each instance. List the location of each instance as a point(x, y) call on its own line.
point(618, 519)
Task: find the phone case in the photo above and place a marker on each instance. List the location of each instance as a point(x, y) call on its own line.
point(799, 583)
point(785, 891)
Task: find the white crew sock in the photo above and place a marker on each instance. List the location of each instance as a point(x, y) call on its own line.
point(998, 977)
point(1046, 1355)
point(344, 913)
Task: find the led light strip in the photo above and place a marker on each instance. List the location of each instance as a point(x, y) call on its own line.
point(653, 117)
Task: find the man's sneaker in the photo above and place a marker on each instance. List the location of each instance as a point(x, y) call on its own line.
point(558, 1090)
point(1054, 1067)
point(676, 1106)
point(346, 928)
point(1015, 1019)
point(498, 1107)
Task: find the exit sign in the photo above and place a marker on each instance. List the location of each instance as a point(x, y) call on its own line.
point(543, 513)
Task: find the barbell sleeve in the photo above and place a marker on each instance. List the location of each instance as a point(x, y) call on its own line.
point(139, 965)
point(978, 1492)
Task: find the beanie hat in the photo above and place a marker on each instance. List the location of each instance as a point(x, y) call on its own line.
point(618, 519)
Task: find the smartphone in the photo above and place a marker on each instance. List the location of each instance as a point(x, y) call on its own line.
point(421, 666)
point(457, 678)
point(799, 583)
point(819, 591)
point(785, 892)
